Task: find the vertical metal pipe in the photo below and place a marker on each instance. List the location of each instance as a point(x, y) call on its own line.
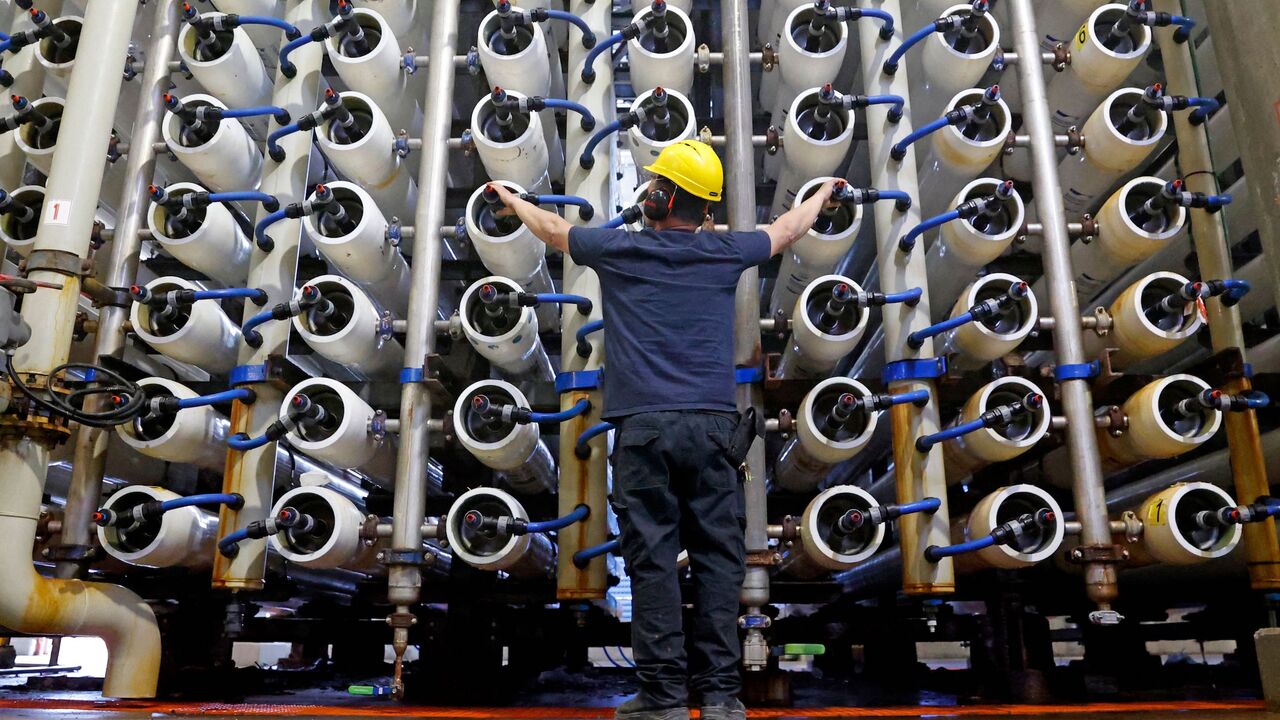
point(1248, 465)
point(917, 474)
point(404, 580)
point(1068, 340)
point(85, 490)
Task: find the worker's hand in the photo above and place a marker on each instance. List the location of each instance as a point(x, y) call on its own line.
point(827, 193)
point(507, 197)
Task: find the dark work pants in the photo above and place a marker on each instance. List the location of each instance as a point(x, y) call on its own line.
point(674, 489)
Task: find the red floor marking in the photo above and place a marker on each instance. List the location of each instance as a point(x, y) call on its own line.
point(569, 713)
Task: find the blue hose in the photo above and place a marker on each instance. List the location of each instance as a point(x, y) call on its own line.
point(588, 35)
point(268, 201)
point(251, 336)
point(588, 120)
point(580, 447)
point(891, 64)
point(925, 442)
point(578, 408)
point(1256, 400)
point(583, 303)
point(216, 398)
point(257, 295)
point(265, 243)
point(1185, 24)
point(227, 545)
point(910, 297)
point(585, 210)
point(934, 553)
point(1235, 291)
point(615, 223)
point(886, 31)
point(586, 555)
point(289, 29)
point(928, 505)
point(242, 442)
point(273, 147)
point(917, 338)
point(286, 67)
point(587, 159)
point(1203, 108)
point(897, 101)
point(915, 396)
point(584, 347)
point(588, 67)
point(280, 114)
point(579, 513)
point(234, 500)
point(902, 198)
point(908, 242)
point(899, 149)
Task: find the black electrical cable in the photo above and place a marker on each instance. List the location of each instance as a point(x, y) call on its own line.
point(60, 405)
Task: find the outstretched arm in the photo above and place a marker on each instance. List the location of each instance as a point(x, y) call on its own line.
point(794, 223)
point(548, 227)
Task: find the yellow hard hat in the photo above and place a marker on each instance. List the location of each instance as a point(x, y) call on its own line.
point(693, 166)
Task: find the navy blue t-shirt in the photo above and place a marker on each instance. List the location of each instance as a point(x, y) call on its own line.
point(668, 310)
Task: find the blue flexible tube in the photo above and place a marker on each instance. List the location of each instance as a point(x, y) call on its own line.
point(256, 111)
point(587, 159)
point(902, 198)
point(588, 67)
point(248, 331)
point(583, 303)
point(900, 148)
point(588, 35)
point(579, 513)
point(910, 297)
point(1203, 107)
point(265, 243)
point(925, 442)
point(585, 212)
point(5, 45)
point(1256, 400)
point(914, 396)
point(227, 545)
point(255, 294)
point(586, 555)
point(885, 32)
point(558, 417)
point(897, 101)
point(273, 147)
point(584, 348)
point(244, 196)
point(1235, 291)
point(934, 553)
point(917, 338)
point(233, 499)
point(908, 242)
point(286, 67)
point(588, 120)
point(615, 223)
point(289, 29)
point(1184, 23)
point(214, 399)
point(242, 442)
point(923, 505)
point(580, 446)
point(891, 64)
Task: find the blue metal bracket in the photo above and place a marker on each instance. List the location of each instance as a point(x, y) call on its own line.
point(412, 375)
point(580, 380)
point(914, 369)
point(1078, 371)
point(247, 374)
point(748, 375)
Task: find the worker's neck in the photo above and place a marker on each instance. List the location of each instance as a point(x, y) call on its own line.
point(674, 223)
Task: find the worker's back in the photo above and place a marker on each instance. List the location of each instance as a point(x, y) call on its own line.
point(668, 310)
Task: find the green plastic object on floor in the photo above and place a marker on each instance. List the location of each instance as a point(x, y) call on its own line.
point(797, 649)
point(369, 690)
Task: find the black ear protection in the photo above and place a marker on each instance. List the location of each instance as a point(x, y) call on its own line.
point(659, 201)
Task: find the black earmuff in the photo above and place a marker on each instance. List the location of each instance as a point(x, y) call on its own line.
point(658, 203)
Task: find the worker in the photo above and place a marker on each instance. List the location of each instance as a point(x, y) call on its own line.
point(668, 301)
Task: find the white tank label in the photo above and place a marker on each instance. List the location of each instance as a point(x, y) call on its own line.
point(57, 212)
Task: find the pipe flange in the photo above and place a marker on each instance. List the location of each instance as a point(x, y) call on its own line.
point(1011, 144)
point(1075, 141)
point(773, 140)
point(702, 58)
point(1132, 526)
point(394, 557)
point(1088, 228)
point(1102, 322)
point(790, 529)
point(764, 558)
point(77, 554)
point(369, 529)
point(1061, 57)
point(59, 261)
point(402, 621)
point(768, 57)
point(786, 421)
point(704, 133)
point(1106, 554)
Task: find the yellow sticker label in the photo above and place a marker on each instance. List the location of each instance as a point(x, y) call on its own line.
point(1156, 515)
point(1082, 36)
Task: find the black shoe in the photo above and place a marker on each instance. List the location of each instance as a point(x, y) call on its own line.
point(637, 709)
point(732, 710)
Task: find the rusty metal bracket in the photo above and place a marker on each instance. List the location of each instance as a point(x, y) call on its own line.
point(80, 554)
point(397, 557)
point(768, 57)
point(58, 261)
point(773, 140)
point(1061, 57)
point(1108, 554)
point(764, 558)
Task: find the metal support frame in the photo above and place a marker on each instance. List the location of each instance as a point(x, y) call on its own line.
point(1068, 339)
point(85, 491)
point(1248, 466)
point(918, 475)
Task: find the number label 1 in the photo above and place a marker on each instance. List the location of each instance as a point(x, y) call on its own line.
point(57, 212)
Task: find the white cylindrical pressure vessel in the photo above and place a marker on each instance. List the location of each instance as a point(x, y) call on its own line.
point(183, 537)
point(800, 67)
point(1006, 504)
point(1171, 533)
point(402, 15)
point(59, 59)
point(647, 138)
point(1109, 152)
point(352, 335)
point(513, 450)
point(816, 139)
point(20, 235)
point(817, 252)
point(344, 436)
point(824, 328)
point(511, 145)
point(377, 73)
point(822, 440)
point(1102, 56)
point(192, 435)
point(663, 61)
point(1156, 429)
point(359, 246)
point(369, 160)
point(981, 341)
point(1059, 20)
point(958, 153)
point(954, 61)
point(967, 453)
point(1122, 242)
point(200, 334)
point(1140, 327)
point(508, 248)
point(507, 336)
point(212, 242)
point(333, 540)
point(36, 145)
point(967, 244)
point(519, 62)
point(685, 5)
point(823, 546)
point(235, 76)
point(228, 160)
point(530, 555)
